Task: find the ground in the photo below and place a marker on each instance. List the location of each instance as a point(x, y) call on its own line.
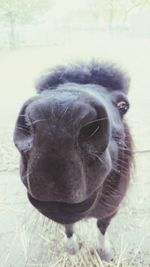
point(26, 237)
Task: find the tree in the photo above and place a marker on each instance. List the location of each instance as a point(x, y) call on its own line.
point(13, 12)
point(112, 11)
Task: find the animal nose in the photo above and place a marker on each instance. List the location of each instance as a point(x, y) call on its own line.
point(96, 130)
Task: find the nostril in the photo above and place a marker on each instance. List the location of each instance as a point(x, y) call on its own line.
point(94, 135)
point(90, 130)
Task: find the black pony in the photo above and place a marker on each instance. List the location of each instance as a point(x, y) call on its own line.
point(76, 149)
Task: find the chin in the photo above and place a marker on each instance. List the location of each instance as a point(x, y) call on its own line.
point(64, 213)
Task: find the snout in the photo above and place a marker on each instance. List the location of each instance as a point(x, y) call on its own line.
point(63, 146)
point(64, 212)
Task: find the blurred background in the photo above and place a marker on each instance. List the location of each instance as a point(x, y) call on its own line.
point(36, 35)
point(28, 23)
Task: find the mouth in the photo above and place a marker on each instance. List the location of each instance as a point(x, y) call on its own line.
point(62, 212)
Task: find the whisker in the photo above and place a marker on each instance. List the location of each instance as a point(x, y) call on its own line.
point(22, 129)
point(121, 171)
point(63, 113)
point(95, 131)
point(36, 121)
point(102, 119)
point(101, 161)
point(125, 148)
point(22, 115)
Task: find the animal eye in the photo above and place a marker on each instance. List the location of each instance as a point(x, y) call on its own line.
point(123, 106)
point(90, 129)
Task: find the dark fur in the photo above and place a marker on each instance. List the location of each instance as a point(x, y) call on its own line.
point(69, 174)
point(105, 74)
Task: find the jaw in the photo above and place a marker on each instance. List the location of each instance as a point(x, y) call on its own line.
point(65, 213)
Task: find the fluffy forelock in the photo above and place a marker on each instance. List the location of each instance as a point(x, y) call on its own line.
point(106, 74)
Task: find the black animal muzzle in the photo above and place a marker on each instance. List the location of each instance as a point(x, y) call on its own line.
point(64, 212)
